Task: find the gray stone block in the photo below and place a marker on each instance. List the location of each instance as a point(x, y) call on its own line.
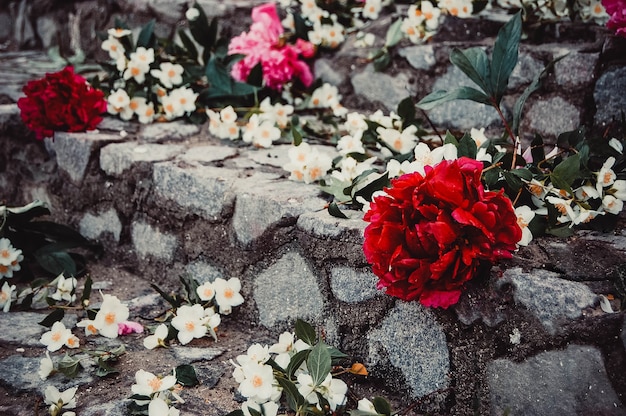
point(609, 95)
point(275, 156)
point(526, 69)
point(551, 299)
point(460, 114)
point(576, 70)
point(262, 201)
point(150, 241)
point(377, 86)
point(118, 157)
point(208, 154)
point(203, 272)
point(203, 190)
point(73, 151)
point(415, 343)
point(9, 113)
point(21, 374)
point(23, 329)
point(350, 285)
point(419, 56)
point(187, 354)
point(323, 69)
point(93, 226)
point(322, 224)
point(175, 130)
point(551, 117)
point(568, 382)
point(287, 290)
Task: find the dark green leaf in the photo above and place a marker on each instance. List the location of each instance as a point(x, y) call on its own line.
point(56, 262)
point(254, 412)
point(335, 211)
point(523, 173)
point(504, 56)
point(189, 45)
point(139, 397)
point(255, 77)
point(514, 182)
point(467, 147)
point(394, 34)
point(170, 299)
point(319, 363)
point(190, 284)
point(371, 187)
point(296, 361)
point(492, 176)
point(571, 138)
point(237, 412)
point(436, 98)
point(55, 316)
point(186, 375)
point(475, 64)
point(146, 36)
point(104, 368)
point(84, 299)
point(560, 231)
point(568, 170)
point(406, 110)
point(296, 135)
point(294, 398)
point(335, 354)
point(305, 332)
point(450, 139)
point(536, 149)
point(68, 366)
point(56, 232)
point(382, 406)
point(382, 61)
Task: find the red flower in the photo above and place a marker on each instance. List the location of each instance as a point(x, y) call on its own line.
point(62, 101)
point(617, 12)
point(429, 235)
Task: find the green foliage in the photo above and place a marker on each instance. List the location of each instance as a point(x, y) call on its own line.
point(319, 363)
point(305, 332)
point(186, 375)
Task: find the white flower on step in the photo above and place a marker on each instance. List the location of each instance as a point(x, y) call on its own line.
point(365, 406)
point(117, 101)
point(190, 323)
point(60, 400)
point(205, 291)
point(227, 294)
point(612, 205)
point(88, 324)
point(148, 383)
point(257, 382)
point(158, 406)
point(261, 133)
point(157, 339)
point(351, 144)
point(402, 142)
point(114, 47)
point(46, 366)
point(277, 113)
point(65, 288)
point(371, 9)
point(169, 74)
point(524, 216)
point(606, 176)
point(6, 296)
point(186, 98)
point(57, 337)
point(426, 157)
point(256, 353)
point(192, 14)
point(332, 389)
point(266, 409)
point(112, 311)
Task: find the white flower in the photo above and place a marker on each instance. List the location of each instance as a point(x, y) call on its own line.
point(612, 205)
point(57, 337)
point(65, 288)
point(117, 101)
point(46, 366)
point(148, 383)
point(479, 136)
point(564, 206)
point(114, 47)
point(119, 32)
point(6, 296)
point(205, 291)
point(112, 311)
point(326, 96)
point(257, 382)
point(192, 14)
point(227, 294)
point(169, 74)
point(364, 405)
point(458, 8)
point(88, 324)
point(307, 164)
point(619, 189)
point(256, 353)
point(8, 254)
point(606, 176)
point(371, 9)
point(156, 339)
point(212, 320)
point(145, 111)
point(158, 406)
point(350, 168)
point(139, 64)
point(402, 142)
point(185, 99)
point(277, 113)
point(60, 400)
point(355, 123)
point(284, 344)
point(350, 144)
point(426, 157)
point(524, 217)
point(332, 389)
point(190, 323)
point(261, 133)
point(266, 409)
point(617, 145)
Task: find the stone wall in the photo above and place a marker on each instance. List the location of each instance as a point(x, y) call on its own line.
point(528, 337)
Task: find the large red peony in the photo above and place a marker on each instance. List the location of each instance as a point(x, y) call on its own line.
point(61, 101)
point(429, 234)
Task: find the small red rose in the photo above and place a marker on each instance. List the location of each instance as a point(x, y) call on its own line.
point(428, 236)
point(61, 101)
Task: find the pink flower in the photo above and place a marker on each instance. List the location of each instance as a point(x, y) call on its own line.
point(129, 327)
point(617, 10)
point(263, 44)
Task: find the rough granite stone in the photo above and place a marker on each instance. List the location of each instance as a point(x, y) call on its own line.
point(287, 290)
point(73, 151)
point(378, 86)
point(576, 70)
point(150, 241)
point(609, 95)
point(419, 56)
point(203, 272)
point(324, 70)
point(551, 299)
point(415, 343)
point(21, 374)
point(175, 130)
point(203, 190)
point(262, 202)
point(460, 114)
point(8, 114)
point(568, 382)
point(118, 157)
point(93, 226)
point(350, 285)
point(322, 224)
point(185, 354)
point(526, 69)
point(109, 409)
point(23, 328)
point(208, 153)
point(275, 156)
point(564, 116)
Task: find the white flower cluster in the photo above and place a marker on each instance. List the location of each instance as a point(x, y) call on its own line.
point(551, 10)
point(10, 258)
point(258, 384)
point(325, 31)
point(159, 392)
point(172, 102)
point(423, 20)
point(59, 401)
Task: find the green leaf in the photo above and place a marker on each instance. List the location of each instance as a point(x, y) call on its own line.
point(254, 412)
point(522, 173)
point(55, 316)
point(562, 231)
point(382, 406)
point(296, 361)
point(319, 363)
point(475, 64)
point(104, 368)
point(336, 354)
point(305, 332)
point(170, 299)
point(536, 149)
point(189, 45)
point(190, 284)
point(406, 110)
point(394, 34)
point(336, 187)
point(382, 60)
point(514, 182)
point(568, 170)
point(467, 147)
point(504, 55)
point(146, 36)
point(84, 299)
point(436, 98)
point(294, 398)
point(255, 77)
point(492, 176)
point(296, 134)
point(571, 138)
point(450, 139)
point(369, 188)
point(68, 366)
point(335, 211)
point(237, 412)
point(186, 375)
point(56, 262)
